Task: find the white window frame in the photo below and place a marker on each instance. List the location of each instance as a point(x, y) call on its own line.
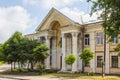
point(86, 39)
point(115, 40)
point(99, 39)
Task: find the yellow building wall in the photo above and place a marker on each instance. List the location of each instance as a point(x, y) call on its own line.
point(54, 16)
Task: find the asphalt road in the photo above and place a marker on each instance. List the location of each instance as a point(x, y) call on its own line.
point(4, 67)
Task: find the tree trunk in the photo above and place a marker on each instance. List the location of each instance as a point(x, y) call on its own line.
point(83, 63)
point(28, 65)
point(31, 64)
point(11, 67)
point(82, 47)
point(14, 65)
point(19, 66)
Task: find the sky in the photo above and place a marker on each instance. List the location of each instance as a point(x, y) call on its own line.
point(26, 15)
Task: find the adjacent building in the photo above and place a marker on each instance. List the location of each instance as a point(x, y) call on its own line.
point(63, 36)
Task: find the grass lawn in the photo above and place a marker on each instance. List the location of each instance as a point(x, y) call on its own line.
point(81, 76)
point(64, 75)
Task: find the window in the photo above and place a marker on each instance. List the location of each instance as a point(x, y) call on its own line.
point(42, 39)
point(115, 40)
point(86, 39)
point(100, 38)
point(50, 59)
point(114, 61)
point(99, 61)
point(87, 64)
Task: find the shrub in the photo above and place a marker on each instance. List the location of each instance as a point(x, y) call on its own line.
point(70, 59)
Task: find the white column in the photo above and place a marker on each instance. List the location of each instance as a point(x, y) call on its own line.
point(92, 46)
point(63, 53)
point(107, 57)
point(118, 62)
point(48, 59)
point(74, 49)
point(38, 39)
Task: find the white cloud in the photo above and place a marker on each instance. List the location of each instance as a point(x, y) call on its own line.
point(12, 19)
point(32, 2)
point(76, 15)
point(51, 3)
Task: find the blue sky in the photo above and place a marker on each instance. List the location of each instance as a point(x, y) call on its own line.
point(26, 15)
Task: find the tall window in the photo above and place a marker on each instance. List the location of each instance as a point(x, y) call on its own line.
point(115, 40)
point(114, 61)
point(100, 38)
point(86, 39)
point(99, 61)
point(42, 39)
point(50, 59)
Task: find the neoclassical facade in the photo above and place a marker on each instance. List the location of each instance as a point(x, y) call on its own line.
point(63, 36)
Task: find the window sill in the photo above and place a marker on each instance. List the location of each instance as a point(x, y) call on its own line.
point(114, 44)
point(98, 67)
point(99, 44)
point(114, 67)
point(86, 45)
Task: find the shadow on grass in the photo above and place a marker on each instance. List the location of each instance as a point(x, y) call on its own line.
point(12, 78)
point(23, 72)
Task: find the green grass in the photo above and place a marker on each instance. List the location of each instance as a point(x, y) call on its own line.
point(63, 75)
point(81, 76)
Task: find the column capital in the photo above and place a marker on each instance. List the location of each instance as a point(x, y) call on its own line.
point(63, 35)
point(74, 34)
point(47, 37)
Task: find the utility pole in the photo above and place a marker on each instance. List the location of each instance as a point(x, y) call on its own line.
point(82, 34)
point(104, 60)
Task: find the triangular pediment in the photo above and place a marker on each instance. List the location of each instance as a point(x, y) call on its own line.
point(54, 15)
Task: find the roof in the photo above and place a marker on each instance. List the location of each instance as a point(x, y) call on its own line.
point(53, 9)
point(78, 18)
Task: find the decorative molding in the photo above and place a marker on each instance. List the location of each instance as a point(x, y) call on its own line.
point(74, 34)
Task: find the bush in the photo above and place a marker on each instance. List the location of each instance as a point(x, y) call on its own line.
point(90, 73)
point(70, 59)
point(41, 69)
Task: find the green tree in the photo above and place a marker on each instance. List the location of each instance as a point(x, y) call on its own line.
point(40, 53)
point(110, 15)
point(12, 48)
point(70, 59)
point(30, 45)
point(1, 52)
point(86, 56)
point(118, 49)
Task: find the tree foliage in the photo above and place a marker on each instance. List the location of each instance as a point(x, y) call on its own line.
point(70, 59)
point(86, 55)
point(110, 15)
point(22, 50)
point(40, 53)
point(118, 49)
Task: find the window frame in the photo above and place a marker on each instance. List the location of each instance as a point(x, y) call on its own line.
point(114, 64)
point(115, 40)
point(86, 40)
point(99, 37)
point(99, 63)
